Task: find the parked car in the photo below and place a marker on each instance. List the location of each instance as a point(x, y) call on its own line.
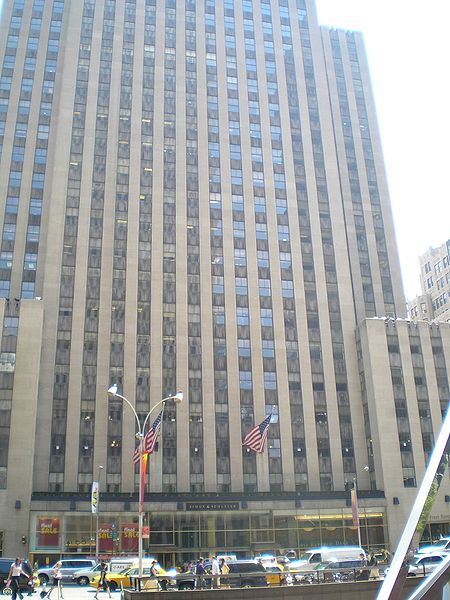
point(5, 565)
point(441, 545)
point(68, 568)
point(425, 563)
point(274, 569)
point(422, 564)
point(243, 573)
point(84, 576)
point(341, 570)
point(275, 574)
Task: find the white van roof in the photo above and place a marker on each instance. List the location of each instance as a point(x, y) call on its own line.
point(332, 548)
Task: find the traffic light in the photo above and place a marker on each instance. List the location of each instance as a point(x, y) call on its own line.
point(24, 539)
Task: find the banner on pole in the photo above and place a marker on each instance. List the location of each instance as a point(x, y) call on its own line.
point(355, 516)
point(94, 497)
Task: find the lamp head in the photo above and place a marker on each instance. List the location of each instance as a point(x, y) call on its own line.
point(178, 397)
point(113, 389)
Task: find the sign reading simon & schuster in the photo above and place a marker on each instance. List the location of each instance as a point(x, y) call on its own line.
point(212, 505)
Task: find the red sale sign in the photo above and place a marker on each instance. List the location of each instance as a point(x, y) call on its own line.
point(129, 537)
point(48, 532)
point(105, 537)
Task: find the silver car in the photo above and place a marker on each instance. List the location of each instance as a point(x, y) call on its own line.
point(84, 576)
point(68, 568)
point(425, 563)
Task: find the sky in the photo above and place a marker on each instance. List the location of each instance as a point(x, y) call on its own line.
point(408, 49)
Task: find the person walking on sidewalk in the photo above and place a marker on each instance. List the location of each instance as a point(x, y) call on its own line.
point(56, 583)
point(215, 572)
point(103, 582)
point(200, 572)
point(15, 571)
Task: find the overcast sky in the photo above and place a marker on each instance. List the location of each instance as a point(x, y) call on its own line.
point(408, 48)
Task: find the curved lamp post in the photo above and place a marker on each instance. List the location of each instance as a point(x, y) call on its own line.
point(99, 470)
point(140, 434)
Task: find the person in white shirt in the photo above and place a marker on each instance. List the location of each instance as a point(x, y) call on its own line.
point(215, 572)
point(56, 583)
point(15, 572)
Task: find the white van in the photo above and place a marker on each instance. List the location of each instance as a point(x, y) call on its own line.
point(116, 565)
point(311, 558)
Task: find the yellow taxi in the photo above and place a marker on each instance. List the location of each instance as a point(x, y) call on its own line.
point(274, 569)
point(275, 574)
point(126, 577)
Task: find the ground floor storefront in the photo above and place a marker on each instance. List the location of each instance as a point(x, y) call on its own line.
point(202, 529)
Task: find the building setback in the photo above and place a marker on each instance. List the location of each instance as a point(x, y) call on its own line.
point(193, 197)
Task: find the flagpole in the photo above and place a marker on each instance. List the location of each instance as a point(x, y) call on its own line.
point(100, 467)
point(355, 489)
point(141, 502)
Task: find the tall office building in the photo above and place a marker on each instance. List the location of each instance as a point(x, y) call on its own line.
point(193, 197)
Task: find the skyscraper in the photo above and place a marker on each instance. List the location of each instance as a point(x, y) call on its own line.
point(193, 197)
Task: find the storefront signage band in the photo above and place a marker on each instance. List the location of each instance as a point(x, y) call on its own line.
point(212, 506)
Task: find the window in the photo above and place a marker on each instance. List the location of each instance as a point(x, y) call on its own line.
point(27, 289)
point(33, 233)
point(242, 314)
point(12, 204)
point(6, 259)
point(266, 317)
point(9, 231)
point(4, 288)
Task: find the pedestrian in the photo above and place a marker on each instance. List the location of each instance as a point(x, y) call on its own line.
point(154, 572)
point(15, 571)
point(200, 573)
point(188, 567)
point(56, 583)
point(372, 562)
point(385, 554)
point(103, 582)
point(364, 571)
point(215, 572)
point(154, 569)
point(224, 570)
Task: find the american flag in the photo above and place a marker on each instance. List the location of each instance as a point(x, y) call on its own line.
point(136, 456)
point(256, 437)
point(152, 434)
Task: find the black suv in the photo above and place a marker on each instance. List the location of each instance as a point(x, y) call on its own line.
point(5, 565)
point(243, 573)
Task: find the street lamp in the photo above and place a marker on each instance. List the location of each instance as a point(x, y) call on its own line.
point(355, 506)
point(100, 467)
point(140, 434)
